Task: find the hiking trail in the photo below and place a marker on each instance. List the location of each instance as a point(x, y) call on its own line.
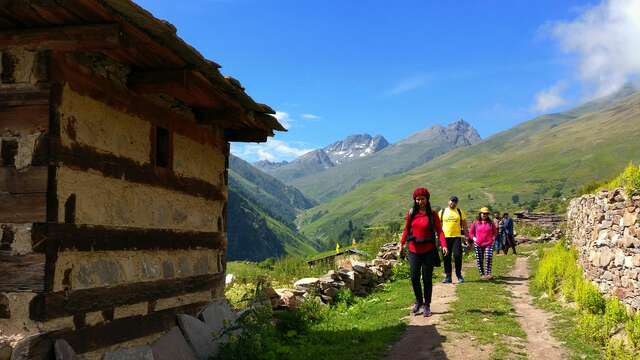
point(534, 321)
point(427, 338)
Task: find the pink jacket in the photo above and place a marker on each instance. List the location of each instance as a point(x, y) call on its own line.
point(483, 233)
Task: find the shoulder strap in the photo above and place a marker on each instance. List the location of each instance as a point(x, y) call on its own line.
point(441, 213)
point(460, 216)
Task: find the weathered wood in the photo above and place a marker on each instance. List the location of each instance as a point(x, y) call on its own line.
point(24, 119)
point(22, 272)
point(5, 311)
point(83, 157)
point(64, 38)
point(74, 237)
point(187, 86)
point(60, 304)
point(32, 180)
point(23, 208)
point(13, 95)
point(247, 135)
point(96, 87)
point(121, 330)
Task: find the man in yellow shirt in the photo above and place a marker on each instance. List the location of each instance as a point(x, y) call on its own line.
point(454, 225)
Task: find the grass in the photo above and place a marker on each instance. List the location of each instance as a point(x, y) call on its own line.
point(483, 309)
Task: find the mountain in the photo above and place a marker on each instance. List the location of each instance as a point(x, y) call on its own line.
point(355, 147)
point(413, 151)
point(261, 214)
point(313, 162)
point(538, 162)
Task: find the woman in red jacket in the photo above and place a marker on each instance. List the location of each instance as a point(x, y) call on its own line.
point(422, 230)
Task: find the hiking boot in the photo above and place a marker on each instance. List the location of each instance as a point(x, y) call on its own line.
point(416, 308)
point(427, 311)
point(447, 280)
point(460, 279)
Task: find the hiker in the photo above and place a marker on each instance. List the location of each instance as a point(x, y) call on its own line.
point(483, 232)
point(508, 240)
point(497, 244)
point(422, 231)
point(454, 225)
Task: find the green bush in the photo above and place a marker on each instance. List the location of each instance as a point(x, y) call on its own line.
point(589, 298)
point(345, 297)
point(633, 330)
point(629, 179)
point(553, 268)
point(618, 350)
point(615, 314)
point(529, 230)
point(401, 271)
point(572, 277)
point(591, 327)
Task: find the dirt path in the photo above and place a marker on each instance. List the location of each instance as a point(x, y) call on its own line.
point(534, 321)
point(425, 338)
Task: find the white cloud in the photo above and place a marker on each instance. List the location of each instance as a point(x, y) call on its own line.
point(310, 117)
point(549, 98)
point(284, 119)
point(606, 39)
point(272, 150)
point(407, 85)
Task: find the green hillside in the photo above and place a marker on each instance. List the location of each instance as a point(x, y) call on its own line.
point(535, 164)
point(261, 215)
point(394, 159)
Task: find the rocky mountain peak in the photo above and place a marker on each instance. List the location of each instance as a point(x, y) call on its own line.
point(266, 165)
point(355, 147)
point(316, 158)
point(458, 132)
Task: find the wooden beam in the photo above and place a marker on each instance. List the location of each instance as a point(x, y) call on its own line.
point(32, 180)
point(225, 118)
point(64, 303)
point(23, 208)
point(72, 237)
point(22, 272)
point(64, 38)
point(83, 157)
point(20, 95)
point(118, 331)
point(247, 135)
point(187, 86)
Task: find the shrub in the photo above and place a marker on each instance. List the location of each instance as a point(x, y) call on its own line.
point(615, 313)
point(629, 179)
point(617, 350)
point(589, 298)
point(345, 297)
point(530, 230)
point(633, 330)
point(572, 277)
point(553, 267)
point(591, 327)
point(401, 271)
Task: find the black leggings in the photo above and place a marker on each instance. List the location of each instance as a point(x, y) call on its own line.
point(421, 264)
point(454, 244)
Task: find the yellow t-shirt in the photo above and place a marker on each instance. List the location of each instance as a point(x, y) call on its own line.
point(451, 222)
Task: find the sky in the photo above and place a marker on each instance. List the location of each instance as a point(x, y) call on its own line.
point(333, 68)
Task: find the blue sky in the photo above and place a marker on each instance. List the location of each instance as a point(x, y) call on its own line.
point(338, 67)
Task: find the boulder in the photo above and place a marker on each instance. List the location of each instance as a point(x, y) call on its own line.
point(135, 353)
point(289, 299)
point(307, 284)
point(198, 336)
point(172, 346)
point(218, 315)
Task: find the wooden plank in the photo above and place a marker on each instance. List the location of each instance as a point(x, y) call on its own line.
point(20, 95)
point(63, 303)
point(22, 272)
point(23, 208)
point(84, 158)
point(32, 180)
point(24, 120)
point(247, 135)
point(64, 38)
point(106, 334)
point(187, 86)
point(73, 237)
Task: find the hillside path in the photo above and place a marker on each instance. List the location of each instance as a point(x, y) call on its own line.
point(426, 338)
point(534, 321)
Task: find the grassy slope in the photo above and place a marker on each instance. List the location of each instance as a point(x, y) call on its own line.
point(552, 153)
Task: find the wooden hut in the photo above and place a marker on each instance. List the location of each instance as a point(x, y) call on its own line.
point(113, 179)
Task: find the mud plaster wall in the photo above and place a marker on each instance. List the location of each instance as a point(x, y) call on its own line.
point(113, 202)
point(90, 122)
point(82, 270)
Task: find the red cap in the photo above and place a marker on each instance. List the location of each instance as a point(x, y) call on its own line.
point(421, 192)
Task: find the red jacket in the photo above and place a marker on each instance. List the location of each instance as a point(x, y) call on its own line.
point(420, 229)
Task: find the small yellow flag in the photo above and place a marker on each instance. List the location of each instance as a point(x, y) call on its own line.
point(337, 248)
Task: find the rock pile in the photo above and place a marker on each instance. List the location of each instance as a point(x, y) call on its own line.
point(605, 228)
point(549, 237)
point(545, 220)
point(360, 277)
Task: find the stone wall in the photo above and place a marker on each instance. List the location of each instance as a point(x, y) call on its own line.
point(605, 229)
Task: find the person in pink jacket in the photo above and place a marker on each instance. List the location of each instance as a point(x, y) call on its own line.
point(483, 232)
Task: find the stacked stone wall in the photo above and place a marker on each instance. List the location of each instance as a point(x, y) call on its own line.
point(605, 229)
